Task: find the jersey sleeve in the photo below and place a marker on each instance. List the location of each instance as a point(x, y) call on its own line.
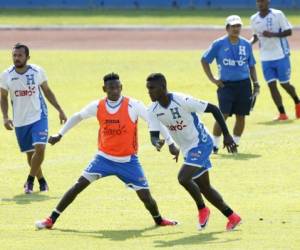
point(138, 109)
point(89, 111)
point(155, 125)
point(193, 105)
point(252, 26)
point(211, 53)
point(3, 83)
point(42, 77)
point(166, 135)
point(153, 122)
point(284, 23)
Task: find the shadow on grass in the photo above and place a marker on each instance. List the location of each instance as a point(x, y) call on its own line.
point(22, 199)
point(200, 238)
point(117, 235)
point(239, 156)
point(276, 123)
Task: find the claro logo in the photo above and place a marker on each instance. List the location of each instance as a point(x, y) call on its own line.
point(27, 92)
point(177, 127)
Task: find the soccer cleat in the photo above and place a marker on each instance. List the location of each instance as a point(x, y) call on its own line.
point(233, 221)
point(203, 217)
point(281, 117)
point(44, 224)
point(297, 110)
point(44, 187)
point(166, 222)
point(215, 150)
point(28, 188)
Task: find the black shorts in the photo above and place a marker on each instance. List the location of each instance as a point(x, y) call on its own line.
point(235, 97)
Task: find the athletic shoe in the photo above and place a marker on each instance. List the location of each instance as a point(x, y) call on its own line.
point(281, 117)
point(215, 149)
point(166, 222)
point(44, 224)
point(28, 188)
point(297, 109)
point(233, 221)
point(203, 217)
point(44, 187)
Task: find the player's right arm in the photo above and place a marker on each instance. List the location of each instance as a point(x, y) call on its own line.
point(87, 112)
point(155, 127)
point(207, 59)
point(254, 38)
point(8, 124)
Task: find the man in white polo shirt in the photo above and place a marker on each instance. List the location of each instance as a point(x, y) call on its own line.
point(25, 84)
point(271, 28)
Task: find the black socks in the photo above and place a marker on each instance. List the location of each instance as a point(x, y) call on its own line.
point(42, 181)
point(281, 109)
point(227, 212)
point(30, 179)
point(158, 219)
point(54, 216)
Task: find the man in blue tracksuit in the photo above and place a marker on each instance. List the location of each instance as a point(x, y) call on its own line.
point(236, 64)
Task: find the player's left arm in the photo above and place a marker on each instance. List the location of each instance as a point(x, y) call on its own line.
point(284, 33)
point(193, 105)
point(52, 99)
point(252, 70)
point(285, 26)
point(228, 140)
point(253, 75)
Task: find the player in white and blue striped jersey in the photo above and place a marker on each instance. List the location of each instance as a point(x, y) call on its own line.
point(178, 113)
point(271, 28)
point(24, 83)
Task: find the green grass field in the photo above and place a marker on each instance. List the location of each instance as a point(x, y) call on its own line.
point(128, 17)
point(261, 182)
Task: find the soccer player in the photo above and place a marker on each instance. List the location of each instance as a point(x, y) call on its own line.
point(117, 143)
point(271, 28)
point(177, 112)
point(236, 65)
point(25, 84)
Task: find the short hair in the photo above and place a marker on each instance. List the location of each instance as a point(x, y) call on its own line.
point(159, 78)
point(110, 77)
point(20, 46)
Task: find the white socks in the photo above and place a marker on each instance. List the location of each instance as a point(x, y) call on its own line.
point(216, 140)
point(236, 139)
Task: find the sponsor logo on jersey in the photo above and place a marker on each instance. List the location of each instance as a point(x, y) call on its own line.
point(231, 62)
point(28, 92)
point(177, 127)
point(160, 114)
point(196, 154)
point(111, 121)
point(119, 130)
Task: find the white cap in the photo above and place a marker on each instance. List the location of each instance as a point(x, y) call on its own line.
point(233, 20)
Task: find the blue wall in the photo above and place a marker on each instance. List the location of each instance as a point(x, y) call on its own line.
point(142, 3)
